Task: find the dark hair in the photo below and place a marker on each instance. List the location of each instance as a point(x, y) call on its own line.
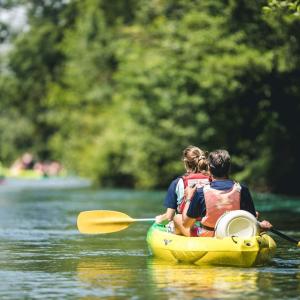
point(219, 163)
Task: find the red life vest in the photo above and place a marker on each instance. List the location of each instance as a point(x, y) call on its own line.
point(190, 180)
point(217, 203)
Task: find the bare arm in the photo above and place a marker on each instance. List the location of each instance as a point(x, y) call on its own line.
point(183, 229)
point(183, 223)
point(264, 225)
point(168, 215)
point(187, 222)
point(189, 193)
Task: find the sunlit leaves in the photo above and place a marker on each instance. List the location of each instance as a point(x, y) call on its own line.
point(117, 89)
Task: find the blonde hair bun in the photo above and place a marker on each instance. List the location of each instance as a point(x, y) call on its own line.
point(195, 159)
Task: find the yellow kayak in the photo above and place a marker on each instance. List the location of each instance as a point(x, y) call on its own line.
point(230, 251)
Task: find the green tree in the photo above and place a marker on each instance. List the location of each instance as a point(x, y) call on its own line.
point(117, 89)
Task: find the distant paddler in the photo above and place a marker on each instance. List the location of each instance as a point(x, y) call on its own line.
point(25, 162)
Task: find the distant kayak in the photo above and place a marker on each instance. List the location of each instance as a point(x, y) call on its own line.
point(32, 179)
point(230, 251)
point(28, 174)
point(58, 182)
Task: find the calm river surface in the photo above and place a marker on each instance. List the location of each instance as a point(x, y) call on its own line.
point(42, 255)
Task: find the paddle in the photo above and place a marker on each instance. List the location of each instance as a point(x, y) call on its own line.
point(286, 237)
point(282, 235)
point(104, 221)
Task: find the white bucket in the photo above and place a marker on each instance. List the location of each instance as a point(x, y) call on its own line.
point(238, 223)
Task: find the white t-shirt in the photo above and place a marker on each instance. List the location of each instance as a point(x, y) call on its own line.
point(179, 191)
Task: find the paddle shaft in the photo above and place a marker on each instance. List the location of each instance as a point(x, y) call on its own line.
point(288, 238)
point(121, 221)
point(282, 235)
point(144, 220)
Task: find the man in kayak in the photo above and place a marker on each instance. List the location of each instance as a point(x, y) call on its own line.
point(195, 163)
point(210, 202)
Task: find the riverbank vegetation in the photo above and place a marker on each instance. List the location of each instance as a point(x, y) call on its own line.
point(116, 89)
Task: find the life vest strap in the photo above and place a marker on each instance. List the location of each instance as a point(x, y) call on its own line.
point(207, 227)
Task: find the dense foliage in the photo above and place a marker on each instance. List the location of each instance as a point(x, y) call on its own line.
point(116, 89)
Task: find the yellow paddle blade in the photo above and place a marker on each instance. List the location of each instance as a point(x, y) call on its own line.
point(102, 221)
point(298, 244)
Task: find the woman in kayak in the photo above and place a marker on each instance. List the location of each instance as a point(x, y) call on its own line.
point(195, 163)
point(208, 203)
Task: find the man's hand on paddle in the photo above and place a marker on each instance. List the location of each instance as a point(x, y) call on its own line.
point(265, 225)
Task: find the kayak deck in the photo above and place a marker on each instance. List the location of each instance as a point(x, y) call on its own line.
point(231, 251)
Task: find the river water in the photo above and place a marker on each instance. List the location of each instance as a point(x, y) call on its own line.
point(43, 256)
